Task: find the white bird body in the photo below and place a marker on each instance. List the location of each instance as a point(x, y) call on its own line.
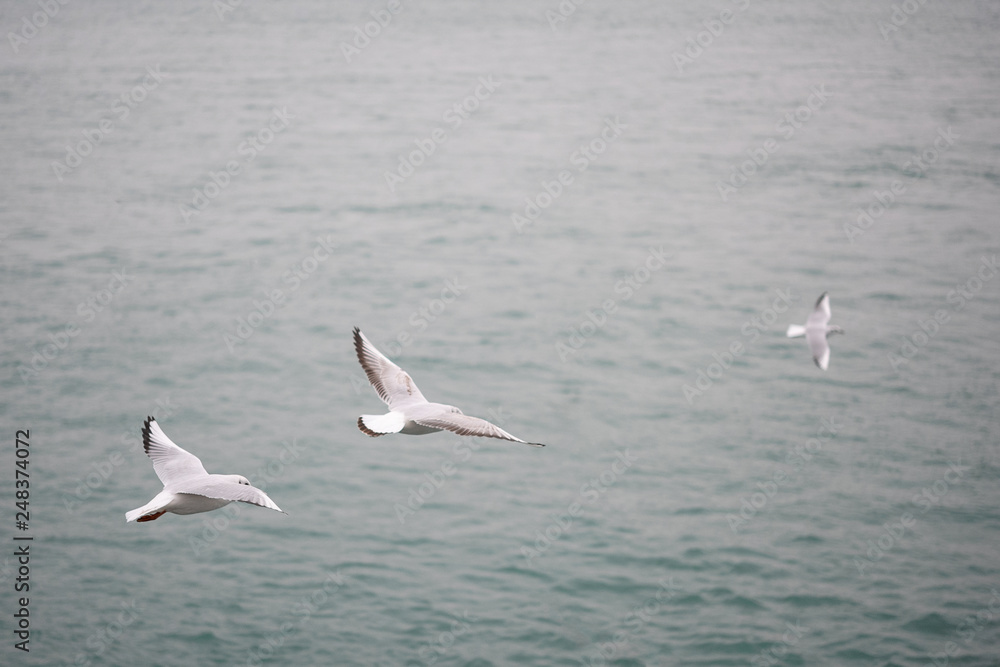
point(178, 503)
point(409, 412)
point(187, 487)
point(816, 330)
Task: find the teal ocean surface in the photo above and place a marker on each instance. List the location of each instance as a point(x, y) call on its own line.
point(590, 223)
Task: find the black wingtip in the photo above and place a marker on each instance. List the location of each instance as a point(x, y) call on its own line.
point(145, 433)
point(359, 345)
point(820, 299)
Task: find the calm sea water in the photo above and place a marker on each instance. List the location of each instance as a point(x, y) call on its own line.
point(200, 201)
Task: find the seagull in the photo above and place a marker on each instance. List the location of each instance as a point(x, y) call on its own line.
point(187, 486)
point(816, 330)
point(409, 412)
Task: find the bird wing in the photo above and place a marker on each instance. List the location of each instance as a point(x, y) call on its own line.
point(171, 463)
point(214, 487)
point(821, 314)
point(393, 384)
point(466, 425)
point(819, 347)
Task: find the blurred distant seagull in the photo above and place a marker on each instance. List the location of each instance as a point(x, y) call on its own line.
point(816, 330)
point(187, 486)
point(409, 412)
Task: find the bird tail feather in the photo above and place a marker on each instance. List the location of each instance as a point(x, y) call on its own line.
point(795, 330)
point(376, 425)
point(136, 513)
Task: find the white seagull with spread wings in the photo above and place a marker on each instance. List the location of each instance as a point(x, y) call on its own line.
point(816, 330)
point(187, 486)
point(409, 412)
